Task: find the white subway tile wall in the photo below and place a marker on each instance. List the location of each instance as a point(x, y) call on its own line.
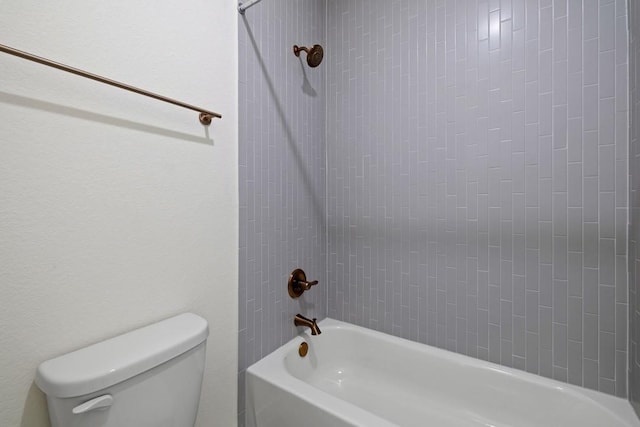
point(477, 179)
point(282, 175)
point(634, 204)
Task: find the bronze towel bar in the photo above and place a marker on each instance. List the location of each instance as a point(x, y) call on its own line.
point(205, 115)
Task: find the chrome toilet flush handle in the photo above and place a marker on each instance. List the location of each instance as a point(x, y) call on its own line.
point(298, 283)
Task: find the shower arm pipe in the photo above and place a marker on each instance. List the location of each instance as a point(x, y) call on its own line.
point(246, 5)
point(205, 115)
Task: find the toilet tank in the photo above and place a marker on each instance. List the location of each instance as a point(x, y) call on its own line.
point(149, 377)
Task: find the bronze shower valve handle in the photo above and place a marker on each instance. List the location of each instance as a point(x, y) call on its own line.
point(298, 283)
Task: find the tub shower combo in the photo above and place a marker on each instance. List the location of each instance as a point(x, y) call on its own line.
point(339, 374)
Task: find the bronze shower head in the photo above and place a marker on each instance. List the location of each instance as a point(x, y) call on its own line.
point(314, 55)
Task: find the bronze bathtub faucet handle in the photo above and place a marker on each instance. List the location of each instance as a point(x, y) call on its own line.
point(298, 283)
point(307, 285)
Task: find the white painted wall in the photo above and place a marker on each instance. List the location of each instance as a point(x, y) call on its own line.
point(116, 210)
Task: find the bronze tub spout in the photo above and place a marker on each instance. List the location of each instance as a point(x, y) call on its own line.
point(300, 320)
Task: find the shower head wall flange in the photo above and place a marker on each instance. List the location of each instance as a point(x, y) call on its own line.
point(314, 54)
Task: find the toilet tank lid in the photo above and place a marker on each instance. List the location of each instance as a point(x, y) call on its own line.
point(117, 359)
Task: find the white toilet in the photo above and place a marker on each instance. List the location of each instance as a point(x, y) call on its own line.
point(150, 377)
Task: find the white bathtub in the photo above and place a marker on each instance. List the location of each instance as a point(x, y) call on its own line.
point(354, 376)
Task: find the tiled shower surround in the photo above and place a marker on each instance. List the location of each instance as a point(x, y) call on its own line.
point(476, 175)
point(282, 171)
point(477, 179)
